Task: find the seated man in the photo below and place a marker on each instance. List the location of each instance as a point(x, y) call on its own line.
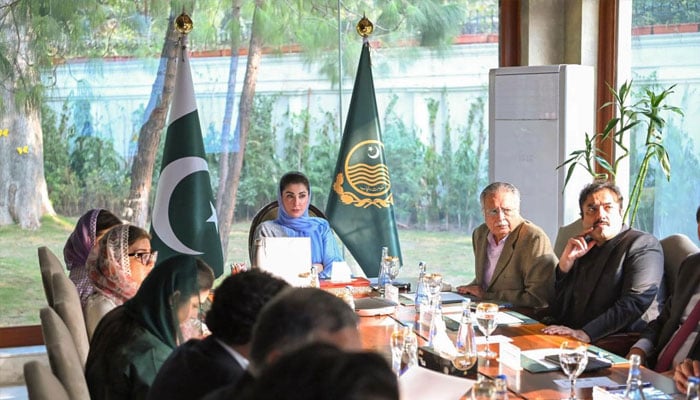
point(296, 317)
point(664, 343)
point(346, 376)
point(608, 276)
point(514, 261)
point(200, 366)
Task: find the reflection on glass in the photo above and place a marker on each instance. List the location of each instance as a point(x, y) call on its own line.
point(573, 357)
point(486, 320)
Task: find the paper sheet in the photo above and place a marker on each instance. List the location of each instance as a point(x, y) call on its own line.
point(581, 383)
point(493, 339)
point(419, 383)
point(502, 318)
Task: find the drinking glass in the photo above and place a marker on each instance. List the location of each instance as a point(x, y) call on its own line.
point(486, 321)
point(433, 283)
point(573, 357)
point(393, 267)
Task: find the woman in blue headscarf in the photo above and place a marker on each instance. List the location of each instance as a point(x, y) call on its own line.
point(293, 220)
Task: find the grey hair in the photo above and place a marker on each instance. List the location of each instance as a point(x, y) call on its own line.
point(496, 187)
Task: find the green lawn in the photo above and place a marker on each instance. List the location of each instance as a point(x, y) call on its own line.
point(22, 294)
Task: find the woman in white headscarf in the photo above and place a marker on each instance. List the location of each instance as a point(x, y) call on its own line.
point(116, 269)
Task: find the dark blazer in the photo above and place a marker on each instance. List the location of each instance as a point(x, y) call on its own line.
point(610, 288)
point(241, 389)
point(524, 272)
point(660, 331)
point(194, 369)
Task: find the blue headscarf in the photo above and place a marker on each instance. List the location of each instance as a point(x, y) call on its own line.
point(303, 226)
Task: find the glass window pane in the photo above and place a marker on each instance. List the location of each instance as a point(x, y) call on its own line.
point(430, 65)
point(665, 38)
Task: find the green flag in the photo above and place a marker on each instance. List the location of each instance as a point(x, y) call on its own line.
point(360, 205)
point(184, 218)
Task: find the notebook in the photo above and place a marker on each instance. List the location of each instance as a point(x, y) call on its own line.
point(287, 257)
point(593, 363)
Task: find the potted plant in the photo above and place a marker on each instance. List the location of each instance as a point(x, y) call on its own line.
point(646, 111)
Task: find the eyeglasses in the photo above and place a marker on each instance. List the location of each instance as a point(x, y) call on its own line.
point(145, 257)
point(496, 211)
point(593, 210)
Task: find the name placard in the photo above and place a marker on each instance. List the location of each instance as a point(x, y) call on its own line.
point(509, 356)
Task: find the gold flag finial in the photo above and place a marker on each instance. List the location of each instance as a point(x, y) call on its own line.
point(364, 27)
point(183, 23)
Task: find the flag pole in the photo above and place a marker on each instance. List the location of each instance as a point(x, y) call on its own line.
point(360, 205)
point(184, 217)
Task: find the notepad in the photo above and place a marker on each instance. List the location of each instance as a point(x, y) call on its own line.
point(286, 257)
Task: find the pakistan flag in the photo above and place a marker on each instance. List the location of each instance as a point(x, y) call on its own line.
point(360, 205)
point(184, 218)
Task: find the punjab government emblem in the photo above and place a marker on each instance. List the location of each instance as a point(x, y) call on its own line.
point(364, 181)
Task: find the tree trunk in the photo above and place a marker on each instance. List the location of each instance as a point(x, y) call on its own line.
point(24, 198)
point(136, 205)
point(228, 110)
point(228, 203)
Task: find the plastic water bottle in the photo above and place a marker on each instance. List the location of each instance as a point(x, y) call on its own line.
point(421, 294)
point(466, 344)
point(410, 349)
point(348, 298)
point(436, 325)
point(634, 380)
point(313, 276)
point(384, 278)
point(501, 387)
point(693, 392)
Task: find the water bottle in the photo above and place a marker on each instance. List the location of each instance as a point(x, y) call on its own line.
point(348, 298)
point(466, 359)
point(501, 387)
point(313, 275)
point(634, 380)
point(436, 323)
point(421, 294)
point(384, 278)
point(693, 392)
point(410, 352)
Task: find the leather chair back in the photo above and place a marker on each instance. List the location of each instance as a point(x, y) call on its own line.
point(42, 384)
point(63, 357)
point(67, 305)
point(676, 248)
point(48, 264)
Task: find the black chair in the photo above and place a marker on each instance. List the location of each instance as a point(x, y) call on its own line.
point(269, 212)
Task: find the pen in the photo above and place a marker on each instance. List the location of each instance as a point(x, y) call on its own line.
point(624, 386)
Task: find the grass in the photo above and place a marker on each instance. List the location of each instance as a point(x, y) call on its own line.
point(22, 293)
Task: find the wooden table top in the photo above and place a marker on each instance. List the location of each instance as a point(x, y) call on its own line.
point(376, 332)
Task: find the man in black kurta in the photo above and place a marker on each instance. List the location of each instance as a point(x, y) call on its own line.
point(608, 277)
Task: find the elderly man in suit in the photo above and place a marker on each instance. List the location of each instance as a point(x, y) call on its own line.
point(666, 342)
point(608, 276)
point(514, 258)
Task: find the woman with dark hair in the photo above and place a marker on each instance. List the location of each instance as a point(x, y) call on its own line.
point(293, 220)
point(133, 340)
point(116, 267)
point(88, 231)
point(346, 376)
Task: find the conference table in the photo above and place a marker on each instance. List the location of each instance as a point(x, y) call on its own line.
point(376, 332)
